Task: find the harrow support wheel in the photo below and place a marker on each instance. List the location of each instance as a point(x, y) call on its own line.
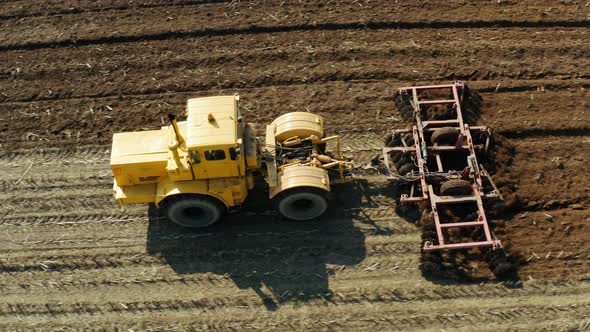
point(455, 187)
point(445, 135)
point(302, 204)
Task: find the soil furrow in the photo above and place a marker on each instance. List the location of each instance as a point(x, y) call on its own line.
point(234, 56)
point(541, 132)
point(93, 8)
point(254, 30)
point(300, 74)
point(504, 112)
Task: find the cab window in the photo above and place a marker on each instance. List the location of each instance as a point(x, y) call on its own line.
point(194, 155)
point(233, 154)
point(215, 155)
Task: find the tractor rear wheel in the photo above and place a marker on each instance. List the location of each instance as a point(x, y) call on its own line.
point(194, 211)
point(301, 204)
point(455, 187)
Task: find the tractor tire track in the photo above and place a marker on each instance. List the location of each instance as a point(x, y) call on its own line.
point(437, 316)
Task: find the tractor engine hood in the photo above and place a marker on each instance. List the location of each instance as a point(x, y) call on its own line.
point(139, 157)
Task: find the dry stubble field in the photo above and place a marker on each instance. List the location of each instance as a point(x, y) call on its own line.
point(74, 72)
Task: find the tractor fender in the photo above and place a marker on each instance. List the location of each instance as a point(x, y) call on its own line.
point(167, 188)
point(301, 176)
point(297, 124)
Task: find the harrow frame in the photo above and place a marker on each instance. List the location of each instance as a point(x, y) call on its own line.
point(423, 181)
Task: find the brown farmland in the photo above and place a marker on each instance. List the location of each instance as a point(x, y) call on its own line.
point(74, 72)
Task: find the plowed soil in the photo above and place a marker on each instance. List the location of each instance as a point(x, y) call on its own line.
point(74, 72)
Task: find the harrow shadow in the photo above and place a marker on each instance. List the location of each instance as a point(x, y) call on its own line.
point(280, 260)
point(456, 267)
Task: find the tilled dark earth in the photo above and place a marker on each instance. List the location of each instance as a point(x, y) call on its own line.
point(74, 72)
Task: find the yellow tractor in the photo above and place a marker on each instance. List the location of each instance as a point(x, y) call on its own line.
point(195, 170)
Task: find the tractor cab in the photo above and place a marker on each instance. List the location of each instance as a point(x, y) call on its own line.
point(214, 137)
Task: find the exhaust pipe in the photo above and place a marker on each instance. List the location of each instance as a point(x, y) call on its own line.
point(174, 145)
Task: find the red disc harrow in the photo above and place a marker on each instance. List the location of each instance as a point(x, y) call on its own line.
point(438, 161)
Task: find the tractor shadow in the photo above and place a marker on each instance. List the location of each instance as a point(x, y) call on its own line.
point(280, 260)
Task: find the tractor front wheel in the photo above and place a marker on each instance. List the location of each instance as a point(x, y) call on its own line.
point(194, 211)
point(301, 204)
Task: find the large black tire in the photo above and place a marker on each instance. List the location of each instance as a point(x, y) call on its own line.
point(445, 135)
point(194, 211)
point(455, 187)
point(301, 204)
